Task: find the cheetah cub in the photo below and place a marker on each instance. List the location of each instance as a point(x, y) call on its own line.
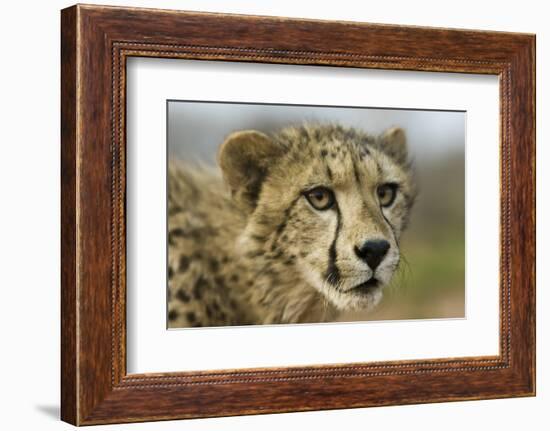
point(300, 226)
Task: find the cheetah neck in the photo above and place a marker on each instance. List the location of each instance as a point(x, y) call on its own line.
point(274, 294)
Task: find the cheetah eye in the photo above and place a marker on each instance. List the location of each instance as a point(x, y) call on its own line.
point(320, 198)
point(386, 194)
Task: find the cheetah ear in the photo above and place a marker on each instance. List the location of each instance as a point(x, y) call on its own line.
point(394, 143)
point(244, 159)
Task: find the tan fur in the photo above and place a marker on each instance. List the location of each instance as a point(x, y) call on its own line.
point(248, 248)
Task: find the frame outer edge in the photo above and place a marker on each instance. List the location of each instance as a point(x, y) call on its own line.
point(530, 63)
point(533, 56)
point(69, 201)
point(523, 216)
point(88, 397)
point(531, 126)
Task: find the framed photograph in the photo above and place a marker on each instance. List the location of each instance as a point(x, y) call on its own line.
point(263, 214)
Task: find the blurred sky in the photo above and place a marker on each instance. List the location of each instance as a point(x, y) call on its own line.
point(196, 129)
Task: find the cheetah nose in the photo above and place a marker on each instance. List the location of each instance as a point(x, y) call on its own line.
point(372, 252)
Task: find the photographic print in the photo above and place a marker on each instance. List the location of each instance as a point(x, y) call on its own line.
point(286, 214)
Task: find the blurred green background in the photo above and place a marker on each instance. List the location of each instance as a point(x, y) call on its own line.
point(430, 281)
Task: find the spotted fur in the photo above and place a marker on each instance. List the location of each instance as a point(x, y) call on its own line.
point(247, 247)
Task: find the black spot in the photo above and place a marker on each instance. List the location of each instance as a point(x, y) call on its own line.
point(174, 210)
point(277, 255)
point(191, 317)
point(324, 153)
point(183, 296)
point(234, 278)
point(184, 263)
point(256, 253)
point(195, 234)
point(317, 135)
point(214, 265)
point(170, 272)
point(200, 285)
point(196, 325)
point(379, 169)
point(225, 259)
point(219, 280)
point(281, 227)
point(177, 232)
point(269, 272)
point(284, 237)
point(197, 255)
point(333, 155)
point(304, 253)
point(173, 315)
point(209, 312)
point(289, 261)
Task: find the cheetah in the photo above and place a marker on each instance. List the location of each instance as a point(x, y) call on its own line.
point(300, 226)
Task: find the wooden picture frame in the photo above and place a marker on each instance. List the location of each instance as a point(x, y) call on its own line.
point(95, 43)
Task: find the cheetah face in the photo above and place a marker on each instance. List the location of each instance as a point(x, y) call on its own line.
point(330, 204)
point(348, 248)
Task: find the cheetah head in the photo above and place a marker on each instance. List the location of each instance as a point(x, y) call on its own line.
point(325, 202)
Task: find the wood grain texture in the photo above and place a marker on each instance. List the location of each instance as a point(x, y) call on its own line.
point(96, 41)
